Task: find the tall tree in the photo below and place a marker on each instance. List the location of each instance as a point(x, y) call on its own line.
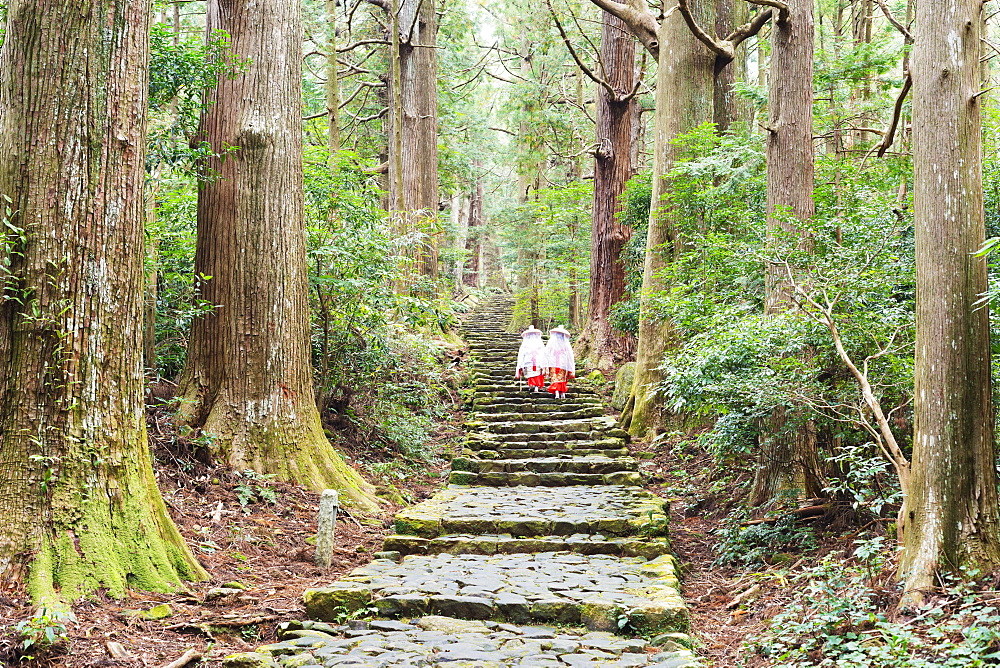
point(415, 114)
point(617, 111)
point(473, 270)
point(687, 59)
point(952, 516)
point(80, 505)
point(248, 379)
point(788, 459)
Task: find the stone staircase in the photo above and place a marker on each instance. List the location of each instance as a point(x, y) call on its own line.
point(542, 551)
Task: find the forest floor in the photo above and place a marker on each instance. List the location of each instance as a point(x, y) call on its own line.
point(244, 529)
point(255, 532)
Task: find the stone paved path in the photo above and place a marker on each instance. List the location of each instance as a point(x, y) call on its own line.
point(543, 551)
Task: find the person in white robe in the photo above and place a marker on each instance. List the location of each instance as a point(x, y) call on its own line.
point(560, 362)
point(531, 359)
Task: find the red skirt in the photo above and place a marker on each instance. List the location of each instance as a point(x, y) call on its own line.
point(537, 381)
point(559, 378)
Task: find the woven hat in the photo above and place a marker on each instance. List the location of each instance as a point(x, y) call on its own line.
point(559, 330)
point(531, 330)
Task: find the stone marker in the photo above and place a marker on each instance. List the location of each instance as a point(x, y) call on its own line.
point(329, 503)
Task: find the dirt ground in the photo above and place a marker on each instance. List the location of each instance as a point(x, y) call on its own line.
point(240, 534)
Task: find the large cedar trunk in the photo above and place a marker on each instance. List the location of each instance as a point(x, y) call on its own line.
point(248, 380)
point(79, 502)
point(684, 100)
point(417, 104)
point(616, 114)
point(788, 462)
point(951, 518)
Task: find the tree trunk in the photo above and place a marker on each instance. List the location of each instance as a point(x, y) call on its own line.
point(788, 462)
point(248, 380)
point(951, 519)
point(417, 106)
point(332, 86)
point(684, 100)
point(473, 239)
point(81, 510)
point(599, 343)
point(729, 107)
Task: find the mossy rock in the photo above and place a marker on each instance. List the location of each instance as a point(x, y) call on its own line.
point(330, 604)
point(248, 660)
point(623, 385)
point(600, 615)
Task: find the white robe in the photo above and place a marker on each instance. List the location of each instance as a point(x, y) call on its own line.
point(531, 356)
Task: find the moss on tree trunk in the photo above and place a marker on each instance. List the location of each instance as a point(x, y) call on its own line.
point(80, 506)
point(248, 379)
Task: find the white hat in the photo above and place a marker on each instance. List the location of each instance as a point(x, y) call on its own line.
point(531, 330)
point(559, 330)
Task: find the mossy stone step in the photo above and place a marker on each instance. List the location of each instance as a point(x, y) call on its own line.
point(526, 512)
point(595, 591)
point(544, 437)
point(509, 453)
point(577, 464)
point(542, 426)
point(493, 442)
point(548, 413)
point(544, 479)
point(487, 544)
point(534, 406)
point(514, 393)
point(436, 641)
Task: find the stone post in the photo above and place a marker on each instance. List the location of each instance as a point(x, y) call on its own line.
point(329, 503)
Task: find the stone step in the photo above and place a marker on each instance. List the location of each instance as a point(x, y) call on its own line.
point(628, 546)
point(576, 464)
point(526, 512)
point(533, 414)
point(494, 442)
point(513, 393)
point(435, 640)
point(542, 427)
point(544, 479)
point(596, 591)
point(528, 453)
point(546, 437)
point(540, 403)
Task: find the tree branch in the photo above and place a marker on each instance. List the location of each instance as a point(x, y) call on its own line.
point(897, 110)
point(718, 48)
point(777, 4)
point(579, 63)
point(750, 29)
point(384, 4)
point(640, 21)
point(363, 42)
point(892, 19)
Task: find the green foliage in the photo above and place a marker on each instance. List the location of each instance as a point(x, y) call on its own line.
point(255, 488)
point(43, 633)
point(180, 72)
point(546, 242)
point(747, 545)
point(840, 616)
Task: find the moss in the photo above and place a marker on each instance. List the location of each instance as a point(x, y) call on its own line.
point(111, 540)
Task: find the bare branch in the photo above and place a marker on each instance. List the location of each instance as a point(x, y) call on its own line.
point(640, 21)
point(383, 4)
point(716, 47)
point(897, 110)
point(750, 29)
point(892, 19)
point(362, 42)
point(777, 4)
point(579, 62)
